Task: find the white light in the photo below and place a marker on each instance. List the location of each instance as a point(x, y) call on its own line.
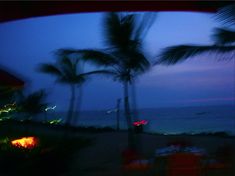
point(50, 108)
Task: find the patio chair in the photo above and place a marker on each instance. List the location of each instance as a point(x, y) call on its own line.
point(222, 161)
point(184, 164)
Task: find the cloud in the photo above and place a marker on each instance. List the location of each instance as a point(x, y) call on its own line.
point(191, 66)
point(229, 99)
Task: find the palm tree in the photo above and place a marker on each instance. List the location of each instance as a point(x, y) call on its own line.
point(66, 72)
point(6, 95)
point(32, 104)
point(123, 55)
point(224, 39)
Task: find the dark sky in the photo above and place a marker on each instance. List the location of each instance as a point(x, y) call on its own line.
point(198, 81)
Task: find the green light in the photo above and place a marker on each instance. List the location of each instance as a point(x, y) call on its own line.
point(54, 122)
point(8, 108)
point(4, 141)
point(5, 118)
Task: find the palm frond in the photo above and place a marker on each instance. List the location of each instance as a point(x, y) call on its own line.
point(123, 54)
point(67, 66)
point(98, 57)
point(33, 103)
point(224, 36)
point(137, 61)
point(50, 69)
point(145, 24)
point(112, 28)
point(65, 61)
point(67, 80)
point(119, 30)
point(227, 14)
point(175, 54)
point(65, 52)
point(81, 78)
point(99, 72)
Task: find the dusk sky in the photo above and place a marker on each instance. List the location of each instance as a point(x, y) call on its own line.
point(198, 81)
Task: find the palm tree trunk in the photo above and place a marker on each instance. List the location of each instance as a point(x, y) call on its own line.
point(78, 107)
point(118, 114)
point(138, 138)
point(134, 102)
point(71, 107)
point(128, 116)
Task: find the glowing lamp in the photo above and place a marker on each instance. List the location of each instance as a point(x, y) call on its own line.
point(25, 142)
point(141, 122)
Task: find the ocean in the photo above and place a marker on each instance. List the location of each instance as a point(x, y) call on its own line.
point(164, 120)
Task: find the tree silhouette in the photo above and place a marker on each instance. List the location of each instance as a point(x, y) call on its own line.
point(123, 56)
point(67, 72)
point(223, 46)
point(32, 104)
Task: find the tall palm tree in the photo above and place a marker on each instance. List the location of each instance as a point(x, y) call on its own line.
point(224, 42)
point(123, 54)
point(66, 72)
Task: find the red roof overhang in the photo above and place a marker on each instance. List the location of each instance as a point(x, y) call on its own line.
point(9, 80)
point(19, 10)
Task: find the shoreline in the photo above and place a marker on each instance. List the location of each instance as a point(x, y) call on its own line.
point(93, 129)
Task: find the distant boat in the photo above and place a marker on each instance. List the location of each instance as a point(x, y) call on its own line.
point(111, 111)
point(201, 113)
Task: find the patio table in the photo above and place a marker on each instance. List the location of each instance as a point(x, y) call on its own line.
point(162, 156)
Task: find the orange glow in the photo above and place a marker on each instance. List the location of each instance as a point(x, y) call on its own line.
point(25, 142)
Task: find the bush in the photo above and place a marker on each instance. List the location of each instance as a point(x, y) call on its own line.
point(52, 156)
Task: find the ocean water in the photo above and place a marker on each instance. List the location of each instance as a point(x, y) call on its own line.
point(165, 120)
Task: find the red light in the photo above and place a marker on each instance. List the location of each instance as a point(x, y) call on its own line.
point(141, 122)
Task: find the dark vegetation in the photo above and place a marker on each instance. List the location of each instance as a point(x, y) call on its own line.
point(52, 156)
